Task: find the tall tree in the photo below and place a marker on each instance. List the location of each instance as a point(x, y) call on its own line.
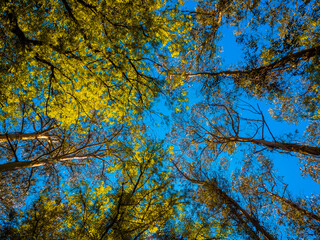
point(41, 150)
point(133, 204)
point(229, 127)
point(280, 52)
point(213, 136)
point(258, 183)
point(74, 59)
point(214, 194)
point(77, 74)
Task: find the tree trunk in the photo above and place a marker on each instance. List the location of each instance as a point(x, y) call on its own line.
point(289, 147)
point(293, 58)
point(232, 204)
point(24, 136)
point(296, 207)
point(28, 136)
point(239, 218)
point(12, 166)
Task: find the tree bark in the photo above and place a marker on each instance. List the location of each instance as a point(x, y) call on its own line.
point(24, 136)
point(12, 166)
point(288, 147)
point(253, 235)
point(296, 207)
point(28, 136)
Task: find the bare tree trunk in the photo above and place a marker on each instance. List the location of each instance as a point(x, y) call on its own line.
point(23, 136)
point(289, 147)
point(253, 235)
point(27, 136)
point(296, 207)
point(12, 166)
point(234, 205)
point(294, 58)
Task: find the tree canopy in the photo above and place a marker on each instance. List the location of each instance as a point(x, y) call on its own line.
point(85, 85)
point(75, 59)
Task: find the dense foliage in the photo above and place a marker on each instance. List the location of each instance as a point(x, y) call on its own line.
point(81, 84)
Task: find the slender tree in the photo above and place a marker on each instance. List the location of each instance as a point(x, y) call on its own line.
point(219, 201)
point(208, 136)
point(38, 154)
point(134, 205)
point(221, 127)
point(258, 183)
